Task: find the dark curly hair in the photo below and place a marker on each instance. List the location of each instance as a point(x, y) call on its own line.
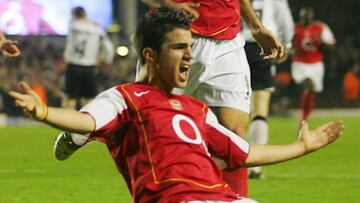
point(154, 25)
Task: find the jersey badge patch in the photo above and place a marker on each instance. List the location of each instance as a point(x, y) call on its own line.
point(175, 104)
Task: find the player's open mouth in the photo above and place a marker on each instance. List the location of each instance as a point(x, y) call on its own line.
point(184, 72)
point(183, 69)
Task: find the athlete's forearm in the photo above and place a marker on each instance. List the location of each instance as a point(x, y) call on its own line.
point(70, 120)
point(249, 16)
point(270, 154)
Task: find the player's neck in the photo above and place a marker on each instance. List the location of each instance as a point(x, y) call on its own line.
point(158, 84)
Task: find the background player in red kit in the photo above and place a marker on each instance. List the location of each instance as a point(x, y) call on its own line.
point(162, 143)
point(308, 68)
point(220, 73)
point(8, 47)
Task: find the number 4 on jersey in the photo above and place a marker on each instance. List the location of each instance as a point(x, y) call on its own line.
point(79, 48)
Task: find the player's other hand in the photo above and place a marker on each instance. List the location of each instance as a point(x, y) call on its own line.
point(271, 48)
point(29, 101)
point(9, 48)
point(321, 136)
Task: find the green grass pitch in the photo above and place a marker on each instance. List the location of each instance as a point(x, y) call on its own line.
point(30, 174)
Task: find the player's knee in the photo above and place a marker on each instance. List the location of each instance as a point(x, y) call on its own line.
point(308, 84)
point(258, 117)
point(241, 131)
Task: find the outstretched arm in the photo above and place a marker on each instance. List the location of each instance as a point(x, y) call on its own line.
point(8, 47)
point(309, 141)
point(270, 45)
point(64, 119)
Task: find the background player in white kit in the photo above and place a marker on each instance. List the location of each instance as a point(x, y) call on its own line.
point(311, 37)
point(87, 45)
point(275, 15)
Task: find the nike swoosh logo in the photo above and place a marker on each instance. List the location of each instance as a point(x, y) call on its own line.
point(139, 94)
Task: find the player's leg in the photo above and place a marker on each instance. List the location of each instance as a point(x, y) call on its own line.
point(70, 103)
point(311, 76)
point(259, 128)
point(233, 119)
point(224, 85)
point(300, 73)
point(88, 86)
point(313, 85)
point(236, 121)
point(71, 86)
point(307, 99)
point(262, 85)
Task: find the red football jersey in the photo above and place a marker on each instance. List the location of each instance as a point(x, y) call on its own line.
point(161, 143)
point(219, 19)
point(308, 41)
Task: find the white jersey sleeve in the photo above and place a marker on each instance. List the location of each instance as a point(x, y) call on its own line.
point(275, 16)
point(285, 22)
point(327, 36)
point(105, 108)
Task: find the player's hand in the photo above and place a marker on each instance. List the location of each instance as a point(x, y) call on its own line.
point(271, 47)
point(189, 8)
point(321, 136)
point(283, 58)
point(30, 102)
point(9, 48)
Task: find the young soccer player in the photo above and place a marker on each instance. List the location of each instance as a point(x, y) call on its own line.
point(162, 143)
point(220, 74)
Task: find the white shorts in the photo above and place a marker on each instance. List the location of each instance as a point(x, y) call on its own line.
point(315, 72)
point(220, 74)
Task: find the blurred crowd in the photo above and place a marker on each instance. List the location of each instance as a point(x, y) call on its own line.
point(41, 64)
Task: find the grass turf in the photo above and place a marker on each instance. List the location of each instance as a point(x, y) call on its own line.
point(29, 173)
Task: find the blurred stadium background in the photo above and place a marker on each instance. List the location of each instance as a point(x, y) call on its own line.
point(42, 64)
point(28, 172)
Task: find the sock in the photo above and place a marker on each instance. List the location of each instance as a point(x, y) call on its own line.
point(237, 180)
point(79, 139)
point(307, 104)
point(259, 134)
point(259, 130)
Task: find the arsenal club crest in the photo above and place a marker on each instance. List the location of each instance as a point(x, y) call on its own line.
point(176, 104)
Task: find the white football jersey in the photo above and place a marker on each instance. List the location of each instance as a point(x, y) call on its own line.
point(275, 15)
point(85, 42)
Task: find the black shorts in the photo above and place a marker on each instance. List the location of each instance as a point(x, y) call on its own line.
point(80, 81)
point(260, 69)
